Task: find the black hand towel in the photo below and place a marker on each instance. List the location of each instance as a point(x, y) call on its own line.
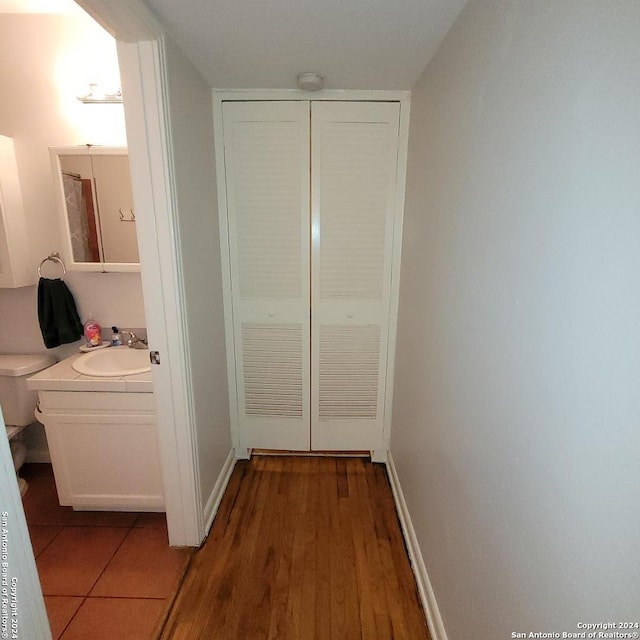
point(57, 313)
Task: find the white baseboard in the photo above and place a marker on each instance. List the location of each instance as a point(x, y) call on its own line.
point(213, 502)
point(427, 596)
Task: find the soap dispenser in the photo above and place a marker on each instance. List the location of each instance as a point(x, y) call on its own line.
point(116, 340)
point(92, 333)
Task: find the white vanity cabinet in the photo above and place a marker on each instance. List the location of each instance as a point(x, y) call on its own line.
point(102, 442)
point(16, 265)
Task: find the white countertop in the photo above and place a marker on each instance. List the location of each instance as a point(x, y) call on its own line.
point(63, 377)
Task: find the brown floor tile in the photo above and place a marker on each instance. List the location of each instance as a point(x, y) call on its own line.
point(102, 519)
point(143, 567)
point(152, 520)
point(122, 618)
point(60, 610)
point(40, 502)
point(41, 537)
point(71, 564)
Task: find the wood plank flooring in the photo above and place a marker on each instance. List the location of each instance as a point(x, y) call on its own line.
point(302, 548)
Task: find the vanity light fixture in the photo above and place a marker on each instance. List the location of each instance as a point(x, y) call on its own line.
point(97, 95)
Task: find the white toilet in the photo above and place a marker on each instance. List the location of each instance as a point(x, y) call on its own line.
point(18, 403)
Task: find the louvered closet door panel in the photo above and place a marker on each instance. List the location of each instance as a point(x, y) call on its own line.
point(353, 186)
point(267, 174)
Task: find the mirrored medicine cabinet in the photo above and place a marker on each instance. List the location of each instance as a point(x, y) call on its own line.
point(95, 207)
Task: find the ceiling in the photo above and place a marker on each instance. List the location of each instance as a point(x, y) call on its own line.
point(354, 44)
point(265, 44)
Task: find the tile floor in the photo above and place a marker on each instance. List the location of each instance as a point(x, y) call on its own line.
point(103, 574)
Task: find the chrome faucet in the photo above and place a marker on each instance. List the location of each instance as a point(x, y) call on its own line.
point(134, 342)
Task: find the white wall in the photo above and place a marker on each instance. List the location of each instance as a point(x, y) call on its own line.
point(47, 60)
point(517, 397)
point(191, 126)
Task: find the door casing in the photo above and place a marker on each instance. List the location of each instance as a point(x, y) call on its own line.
point(143, 72)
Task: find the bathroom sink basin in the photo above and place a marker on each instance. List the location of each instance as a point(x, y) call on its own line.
point(113, 361)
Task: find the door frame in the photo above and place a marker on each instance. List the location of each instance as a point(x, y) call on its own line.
point(32, 615)
point(139, 38)
point(252, 95)
point(130, 21)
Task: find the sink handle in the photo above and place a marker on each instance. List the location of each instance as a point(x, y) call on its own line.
point(134, 342)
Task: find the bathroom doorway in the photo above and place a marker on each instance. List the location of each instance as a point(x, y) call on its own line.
point(191, 503)
point(36, 130)
point(58, 81)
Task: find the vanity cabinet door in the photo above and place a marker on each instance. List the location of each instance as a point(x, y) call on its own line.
point(103, 458)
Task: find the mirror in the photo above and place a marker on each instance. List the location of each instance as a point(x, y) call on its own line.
point(95, 205)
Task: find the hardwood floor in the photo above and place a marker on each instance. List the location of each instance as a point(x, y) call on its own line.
point(301, 549)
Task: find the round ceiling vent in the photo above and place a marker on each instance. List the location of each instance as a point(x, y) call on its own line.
point(310, 81)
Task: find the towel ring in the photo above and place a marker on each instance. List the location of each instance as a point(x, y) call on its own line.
point(54, 257)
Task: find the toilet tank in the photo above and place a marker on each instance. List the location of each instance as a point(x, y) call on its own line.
point(18, 402)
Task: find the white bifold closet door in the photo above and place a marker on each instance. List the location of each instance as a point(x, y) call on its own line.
point(311, 198)
point(266, 148)
point(354, 149)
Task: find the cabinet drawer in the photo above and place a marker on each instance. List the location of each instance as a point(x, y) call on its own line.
point(95, 402)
